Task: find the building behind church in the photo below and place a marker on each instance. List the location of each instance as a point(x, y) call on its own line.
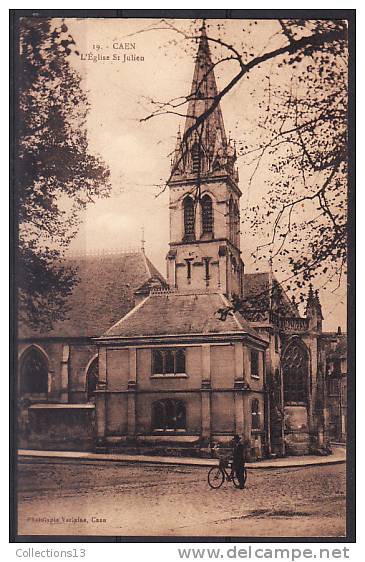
point(144, 362)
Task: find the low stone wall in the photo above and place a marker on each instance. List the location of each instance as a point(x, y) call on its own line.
point(61, 427)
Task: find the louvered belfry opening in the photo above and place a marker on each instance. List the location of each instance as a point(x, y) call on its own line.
point(189, 218)
point(207, 215)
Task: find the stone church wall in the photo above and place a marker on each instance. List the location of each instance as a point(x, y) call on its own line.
point(67, 373)
point(116, 414)
point(62, 419)
point(81, 354)
point(222, 366)
point(61, 427)
point(222, 414)
point(117, 369)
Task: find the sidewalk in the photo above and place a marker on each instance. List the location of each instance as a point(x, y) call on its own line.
point(338, 456)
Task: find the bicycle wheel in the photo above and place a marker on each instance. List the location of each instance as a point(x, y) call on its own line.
point(235, 479)
point(215, 477)
point(236, 484)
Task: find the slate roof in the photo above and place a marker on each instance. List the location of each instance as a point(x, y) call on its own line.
point(180, 313)
point(257, 289)
point(104, 293)
point(255, 283)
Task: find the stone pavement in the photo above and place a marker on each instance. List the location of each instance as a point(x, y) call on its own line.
point(338, 456)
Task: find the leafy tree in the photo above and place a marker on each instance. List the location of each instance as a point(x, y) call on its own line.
point(304, 135)
point(56, 175)
point(303, 140)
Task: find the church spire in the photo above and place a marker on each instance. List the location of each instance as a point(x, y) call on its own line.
point(205, 151)
point(204, 193)
point(203, 92)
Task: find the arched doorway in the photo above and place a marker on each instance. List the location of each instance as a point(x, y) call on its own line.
point(33, 373)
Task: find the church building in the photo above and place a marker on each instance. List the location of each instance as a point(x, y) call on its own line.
point(175, 367)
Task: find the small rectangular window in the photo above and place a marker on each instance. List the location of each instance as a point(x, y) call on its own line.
point(207, 272)
point(254, 363)
point(188, 265)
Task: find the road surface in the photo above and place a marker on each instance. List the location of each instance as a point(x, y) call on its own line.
point(107, 498)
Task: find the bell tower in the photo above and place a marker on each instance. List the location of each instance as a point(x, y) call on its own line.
point(204, 194)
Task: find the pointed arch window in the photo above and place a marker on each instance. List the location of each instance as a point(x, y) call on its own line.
point(92, 378)
point(168, 415)
point(34, 373)
point(295, 373)
point(207, 215)
point(189, 219)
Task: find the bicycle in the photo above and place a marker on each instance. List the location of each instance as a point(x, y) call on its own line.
point(218, 474)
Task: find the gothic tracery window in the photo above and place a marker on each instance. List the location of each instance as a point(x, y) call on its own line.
point(295, 373)
point(33, 373)
point(168, 415)
point(189, 218)
point(207, 215)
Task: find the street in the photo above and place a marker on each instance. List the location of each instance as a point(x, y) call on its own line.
point(64, 497)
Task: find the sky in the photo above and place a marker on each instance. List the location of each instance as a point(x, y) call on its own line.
point(138, 152)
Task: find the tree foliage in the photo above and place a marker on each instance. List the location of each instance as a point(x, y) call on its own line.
point(56, 175)
point(301, 138)
point(304, 139)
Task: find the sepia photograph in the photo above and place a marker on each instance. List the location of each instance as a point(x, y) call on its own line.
point(182, 282)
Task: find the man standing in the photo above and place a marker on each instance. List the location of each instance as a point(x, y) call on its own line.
point(239, 455)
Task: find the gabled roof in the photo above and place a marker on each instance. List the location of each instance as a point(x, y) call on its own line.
point(185, 313)
point(104, 293)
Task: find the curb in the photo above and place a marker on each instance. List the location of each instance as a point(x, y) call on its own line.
point(179, 461)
